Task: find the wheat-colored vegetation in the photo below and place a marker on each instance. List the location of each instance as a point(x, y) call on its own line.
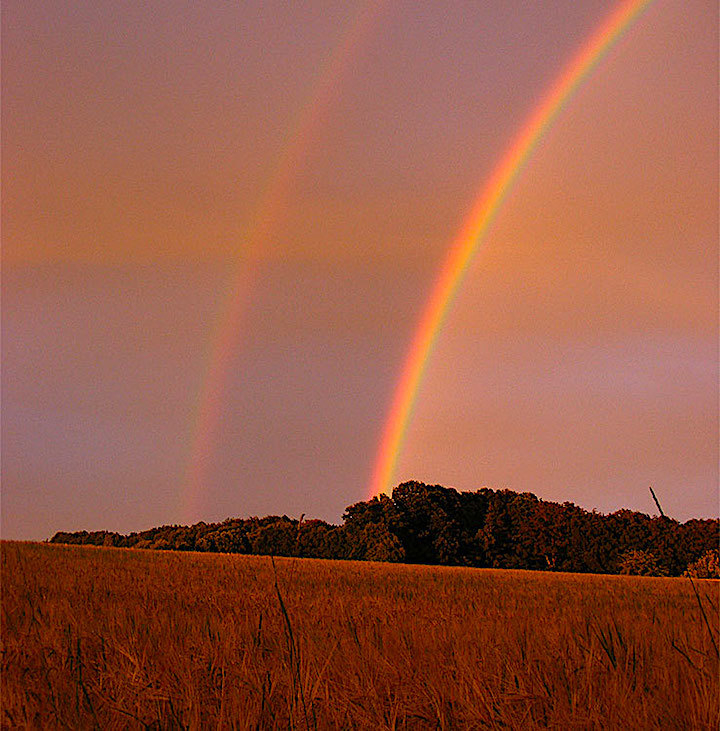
point(118, 638)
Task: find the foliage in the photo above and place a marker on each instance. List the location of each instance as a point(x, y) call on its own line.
point(706, 567)
point(640, 563)
point(431, 524)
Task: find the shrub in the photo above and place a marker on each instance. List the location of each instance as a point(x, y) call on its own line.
point(640, 563)
point(706, 567)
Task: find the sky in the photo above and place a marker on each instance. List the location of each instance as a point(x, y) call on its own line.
point(312, 163)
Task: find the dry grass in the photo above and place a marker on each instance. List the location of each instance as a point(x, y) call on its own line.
point(117, 638)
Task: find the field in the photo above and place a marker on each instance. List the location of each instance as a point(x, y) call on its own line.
point(118, 638)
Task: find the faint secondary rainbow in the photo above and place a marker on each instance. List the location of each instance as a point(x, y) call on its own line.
point(475, 228)
point(268, 213)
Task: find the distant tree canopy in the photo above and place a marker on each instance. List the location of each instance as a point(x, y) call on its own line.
point(431, 524)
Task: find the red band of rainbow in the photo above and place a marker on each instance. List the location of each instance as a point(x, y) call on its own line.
point(225, 338)
point(475, 228)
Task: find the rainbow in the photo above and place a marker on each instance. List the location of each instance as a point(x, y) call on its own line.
point(475, 229)
point(226, 332)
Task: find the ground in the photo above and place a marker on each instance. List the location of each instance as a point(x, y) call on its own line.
point(120, 638)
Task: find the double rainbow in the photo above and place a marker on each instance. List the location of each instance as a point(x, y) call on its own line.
point(475, 229)
point(268, 214)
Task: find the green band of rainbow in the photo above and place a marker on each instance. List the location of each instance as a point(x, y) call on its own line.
point(475, 228)
point(268, 213)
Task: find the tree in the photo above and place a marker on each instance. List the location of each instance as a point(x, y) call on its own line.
point(278, 538)
point(429, 525)
point(370, 530)
point(640, 563)
point(317, 539)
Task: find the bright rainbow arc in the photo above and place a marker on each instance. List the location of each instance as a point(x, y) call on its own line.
point(226, 335)
point(474, 230)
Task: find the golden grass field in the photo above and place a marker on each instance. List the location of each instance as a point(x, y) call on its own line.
point(117, 638)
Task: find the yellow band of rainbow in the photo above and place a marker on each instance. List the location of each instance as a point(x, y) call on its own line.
point(475, 228)
point(268, 214)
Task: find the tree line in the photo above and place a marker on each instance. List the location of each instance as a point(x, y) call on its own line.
point(431, 524)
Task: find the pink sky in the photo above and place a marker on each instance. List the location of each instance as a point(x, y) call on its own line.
point(579, 362)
